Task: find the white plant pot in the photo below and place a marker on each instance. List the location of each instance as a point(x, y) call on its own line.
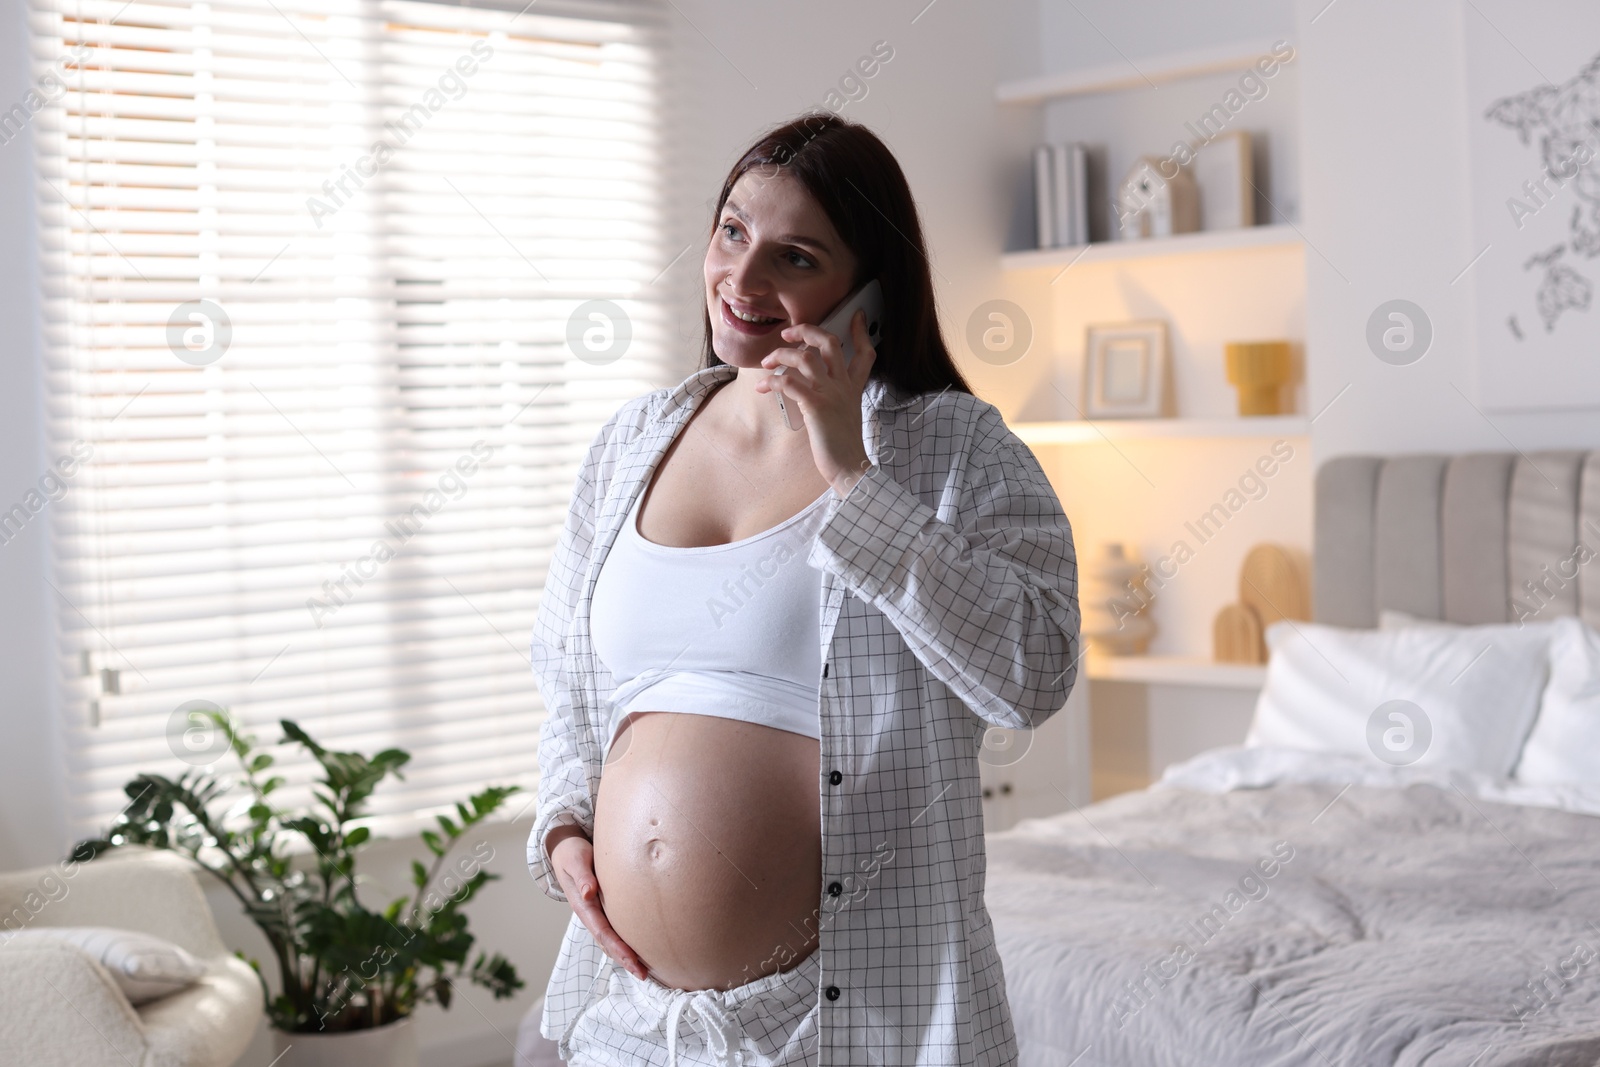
point(394, 1045)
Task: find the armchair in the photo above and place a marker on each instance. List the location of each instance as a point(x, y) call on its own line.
point(60, 1008)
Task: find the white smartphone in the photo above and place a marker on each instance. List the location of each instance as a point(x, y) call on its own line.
point(868, 298)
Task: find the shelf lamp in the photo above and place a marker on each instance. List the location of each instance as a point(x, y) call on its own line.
point(1259, 369)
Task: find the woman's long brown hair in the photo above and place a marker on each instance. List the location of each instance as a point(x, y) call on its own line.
point(860, 186)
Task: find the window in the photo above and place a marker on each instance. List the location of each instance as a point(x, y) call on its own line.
point(322, 363)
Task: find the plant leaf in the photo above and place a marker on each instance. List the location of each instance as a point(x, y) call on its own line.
point(292, 732)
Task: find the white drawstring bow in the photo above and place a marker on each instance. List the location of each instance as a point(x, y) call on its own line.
point(721, 1028)
point(722, 1031)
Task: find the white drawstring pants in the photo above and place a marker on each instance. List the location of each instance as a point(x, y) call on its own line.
point(770, 1022)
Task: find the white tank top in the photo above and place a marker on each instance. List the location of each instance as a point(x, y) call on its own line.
point(728, 630)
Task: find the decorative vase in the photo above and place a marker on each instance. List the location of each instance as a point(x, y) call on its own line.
point(391, 1045)
point(1259, 370)
point(1114, 600)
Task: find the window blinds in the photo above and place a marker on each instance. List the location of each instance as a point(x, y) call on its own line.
point(321, 361)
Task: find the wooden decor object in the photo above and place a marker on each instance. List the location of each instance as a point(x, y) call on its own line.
point(1259, 370)
point(1274, 585)
point(1236, 636)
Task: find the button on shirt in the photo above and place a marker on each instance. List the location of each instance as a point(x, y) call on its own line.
point(949, 608)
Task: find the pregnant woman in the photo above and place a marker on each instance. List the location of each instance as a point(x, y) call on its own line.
point(769, 658)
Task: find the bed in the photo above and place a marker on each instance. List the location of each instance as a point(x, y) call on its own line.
point(1323, 894)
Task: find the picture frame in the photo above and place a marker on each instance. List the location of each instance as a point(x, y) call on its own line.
point(1125, 370)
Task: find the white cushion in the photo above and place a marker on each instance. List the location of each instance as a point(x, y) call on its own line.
point(1469, 693)
point(144, 967)
point(1564, 744)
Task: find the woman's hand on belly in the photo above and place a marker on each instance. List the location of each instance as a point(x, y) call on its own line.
point(572, 856)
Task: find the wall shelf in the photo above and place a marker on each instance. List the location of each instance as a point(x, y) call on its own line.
point(1175, 670)
point(1094, 431)
point(1149, 71)
point(1245, 237)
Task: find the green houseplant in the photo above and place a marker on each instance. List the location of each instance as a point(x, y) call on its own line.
point(342, 966)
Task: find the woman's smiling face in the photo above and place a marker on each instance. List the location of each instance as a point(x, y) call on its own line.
point(774, 261)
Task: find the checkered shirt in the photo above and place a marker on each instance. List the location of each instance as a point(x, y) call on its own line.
point(949, 608)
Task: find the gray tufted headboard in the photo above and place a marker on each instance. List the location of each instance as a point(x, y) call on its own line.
point(1482, 537)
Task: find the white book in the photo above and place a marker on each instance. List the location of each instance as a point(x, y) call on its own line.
point(1078, 192)
point(1043, 191)
point(1060, 200)
point(1221, 168)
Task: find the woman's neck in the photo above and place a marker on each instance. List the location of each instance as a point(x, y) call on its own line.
point(752, 419)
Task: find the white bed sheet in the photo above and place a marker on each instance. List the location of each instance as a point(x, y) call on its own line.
point(1422, 917)
point(1219, 770)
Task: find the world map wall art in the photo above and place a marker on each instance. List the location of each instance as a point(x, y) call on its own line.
point(1533, 142)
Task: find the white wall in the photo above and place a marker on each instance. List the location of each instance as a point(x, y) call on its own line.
point(32, 805)
point(1087, 33)
point(1386, 211)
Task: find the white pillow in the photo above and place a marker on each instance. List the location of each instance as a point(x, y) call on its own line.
point(1564, 745)
point(144, 967)
point(1464, 696)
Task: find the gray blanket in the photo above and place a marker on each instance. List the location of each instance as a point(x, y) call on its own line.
point(1302, 923)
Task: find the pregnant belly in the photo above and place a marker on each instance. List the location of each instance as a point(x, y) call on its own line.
point(708, 847)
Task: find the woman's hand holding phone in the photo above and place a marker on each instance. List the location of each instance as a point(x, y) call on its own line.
point(828, 390)
point(840, 323)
